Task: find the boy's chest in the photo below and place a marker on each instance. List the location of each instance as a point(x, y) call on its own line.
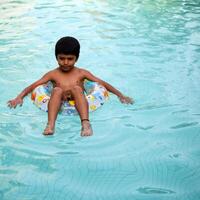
point(68, 80)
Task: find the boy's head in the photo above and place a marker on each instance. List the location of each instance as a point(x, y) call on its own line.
point(68, 46)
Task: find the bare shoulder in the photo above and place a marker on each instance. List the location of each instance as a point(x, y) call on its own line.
point(86, 74)
point(83, 71)
point(54, 71)
point(50, 74)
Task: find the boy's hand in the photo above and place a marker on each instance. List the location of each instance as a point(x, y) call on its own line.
point(14, 102)
point(126, 100)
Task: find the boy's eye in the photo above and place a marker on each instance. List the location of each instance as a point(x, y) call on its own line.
point(63, 58)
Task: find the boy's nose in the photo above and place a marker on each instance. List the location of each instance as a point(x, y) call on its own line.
point(65, 62)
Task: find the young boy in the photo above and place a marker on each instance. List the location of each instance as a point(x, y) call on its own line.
point(68, 85)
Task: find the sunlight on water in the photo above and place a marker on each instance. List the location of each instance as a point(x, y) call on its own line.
point(146, 151)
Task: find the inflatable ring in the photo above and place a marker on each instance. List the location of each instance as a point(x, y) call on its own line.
point(96, 95)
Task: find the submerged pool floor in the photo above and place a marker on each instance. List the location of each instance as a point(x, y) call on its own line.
point(149, 50)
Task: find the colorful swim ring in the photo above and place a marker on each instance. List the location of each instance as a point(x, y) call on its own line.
point(95, 93)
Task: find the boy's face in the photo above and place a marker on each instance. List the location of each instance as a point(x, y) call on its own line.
point(66, 62)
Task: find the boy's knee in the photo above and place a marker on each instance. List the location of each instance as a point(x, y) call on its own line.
point(77, 89)
point(57, 90)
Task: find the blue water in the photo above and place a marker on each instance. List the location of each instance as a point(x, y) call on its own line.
point(149, 50)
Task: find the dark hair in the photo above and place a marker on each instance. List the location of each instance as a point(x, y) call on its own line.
point(67, 45)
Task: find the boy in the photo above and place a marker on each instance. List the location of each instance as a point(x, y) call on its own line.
point(68, 85)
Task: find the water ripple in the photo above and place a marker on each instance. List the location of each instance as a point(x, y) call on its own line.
point(152, 190)
point(183, 125)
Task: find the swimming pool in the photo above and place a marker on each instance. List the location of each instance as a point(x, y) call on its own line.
point(147, 151)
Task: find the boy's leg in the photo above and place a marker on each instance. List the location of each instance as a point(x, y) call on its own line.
point(53, 108)
point(81, 105)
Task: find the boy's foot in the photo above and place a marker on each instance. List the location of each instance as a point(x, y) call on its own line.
point(48, 130)
point(86, 129)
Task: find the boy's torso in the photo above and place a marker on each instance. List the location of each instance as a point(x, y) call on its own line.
point(67, 80)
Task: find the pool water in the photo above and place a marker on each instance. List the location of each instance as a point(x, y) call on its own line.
point(149, 50)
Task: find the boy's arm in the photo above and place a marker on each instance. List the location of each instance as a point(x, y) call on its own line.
point(124, 99)
point(19, 99)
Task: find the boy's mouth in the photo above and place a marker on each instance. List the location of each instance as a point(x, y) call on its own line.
point(65, 68)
